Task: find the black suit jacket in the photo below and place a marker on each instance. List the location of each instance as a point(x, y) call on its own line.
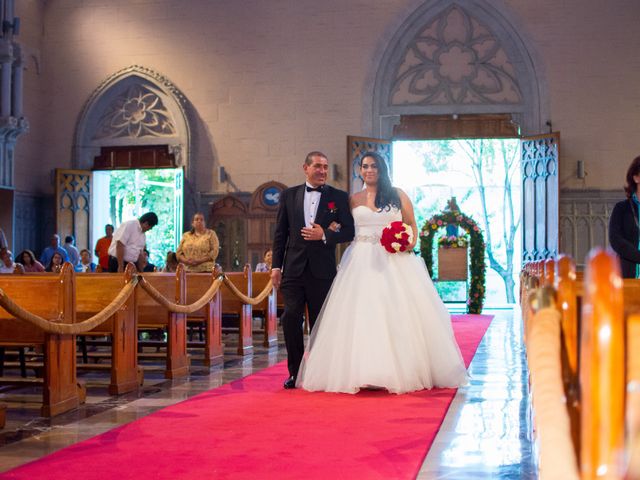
point(623, 236)
point(291, 252)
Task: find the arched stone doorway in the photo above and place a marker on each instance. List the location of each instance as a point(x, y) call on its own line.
point(136, 119)
point(463, 69)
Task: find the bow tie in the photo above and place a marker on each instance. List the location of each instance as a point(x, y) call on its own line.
point(316, 189)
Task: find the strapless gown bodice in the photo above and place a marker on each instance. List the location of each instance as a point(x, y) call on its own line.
point(383, 323)
point(369, 223)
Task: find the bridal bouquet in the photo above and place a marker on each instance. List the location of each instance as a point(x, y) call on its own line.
point(396, 237)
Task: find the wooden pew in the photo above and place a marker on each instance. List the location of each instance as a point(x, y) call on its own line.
point(94, 291)
point(210, 316)
point(152, 315)
point(602, 368)
point(51, 297)
point(600, 325)
point(231, 305)
point(267, 309)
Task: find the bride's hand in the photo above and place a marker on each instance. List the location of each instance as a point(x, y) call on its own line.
point(334, 227)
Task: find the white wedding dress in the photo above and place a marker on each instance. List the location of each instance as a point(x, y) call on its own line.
point(383, 324)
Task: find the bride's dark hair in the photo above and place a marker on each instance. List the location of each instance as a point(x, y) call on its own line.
point(386, 196)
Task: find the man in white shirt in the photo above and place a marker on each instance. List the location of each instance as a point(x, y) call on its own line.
point(129, 240)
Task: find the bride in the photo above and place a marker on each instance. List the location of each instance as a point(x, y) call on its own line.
point(383, 324)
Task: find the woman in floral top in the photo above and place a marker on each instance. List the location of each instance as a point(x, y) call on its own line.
point(199, 246)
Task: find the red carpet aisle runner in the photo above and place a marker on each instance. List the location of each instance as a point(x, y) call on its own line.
point(254, 429)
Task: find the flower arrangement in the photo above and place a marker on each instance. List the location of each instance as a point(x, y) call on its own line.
point(453, 241)
point(396, 237)
point(332, 207)
point(477, 267)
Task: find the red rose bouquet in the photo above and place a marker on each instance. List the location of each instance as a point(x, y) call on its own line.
point(396, 237)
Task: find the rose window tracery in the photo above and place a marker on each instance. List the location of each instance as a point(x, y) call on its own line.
point(455, 59)
point(138, 113)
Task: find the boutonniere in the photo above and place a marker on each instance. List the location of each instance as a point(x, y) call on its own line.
point(332, 207)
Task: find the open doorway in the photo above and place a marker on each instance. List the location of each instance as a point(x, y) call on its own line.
point(120, 195)
point(484, 176)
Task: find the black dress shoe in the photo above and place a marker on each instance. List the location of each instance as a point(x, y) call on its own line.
point(290, 383)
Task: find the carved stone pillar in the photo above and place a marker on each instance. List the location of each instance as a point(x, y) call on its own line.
point(12, 122)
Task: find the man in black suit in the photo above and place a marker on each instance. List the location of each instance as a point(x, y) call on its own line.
point(304, 251)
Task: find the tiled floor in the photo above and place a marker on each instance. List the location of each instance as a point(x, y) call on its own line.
point(486, 433)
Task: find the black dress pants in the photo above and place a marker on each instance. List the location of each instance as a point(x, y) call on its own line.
point(298, 292)
point(113, 264)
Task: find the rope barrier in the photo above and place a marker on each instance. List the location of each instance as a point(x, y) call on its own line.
point(251, 301)
point(206, 297)
point(174, 307)
point(117, 303)
point(69, 328)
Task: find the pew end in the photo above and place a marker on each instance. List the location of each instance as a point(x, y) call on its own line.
point(151, 314)
point(59, 382)
point(209, 317)
point(233, 306)
point(94, 292)
point(267, 309)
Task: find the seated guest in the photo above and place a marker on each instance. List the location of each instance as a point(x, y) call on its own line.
point(55, 265)
point(29, 262)
point(72, 250)
point(7, 265)
point(102, 247)
point(171, 262)
point(54, 246)
point(143, 262)
point(85, 265)
point(199, 246)
point(265, 265)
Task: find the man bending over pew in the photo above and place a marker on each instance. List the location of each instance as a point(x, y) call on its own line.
point(129, 241)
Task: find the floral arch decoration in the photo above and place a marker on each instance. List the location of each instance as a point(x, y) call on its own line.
point(452, 216)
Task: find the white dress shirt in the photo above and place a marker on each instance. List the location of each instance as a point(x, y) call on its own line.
point(130, 234)
point(311, 202)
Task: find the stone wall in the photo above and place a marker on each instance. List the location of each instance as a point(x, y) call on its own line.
point(271, 80)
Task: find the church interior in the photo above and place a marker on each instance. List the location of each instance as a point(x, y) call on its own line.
point(215, 104)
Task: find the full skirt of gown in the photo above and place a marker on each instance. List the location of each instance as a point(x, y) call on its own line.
point(383, 324)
